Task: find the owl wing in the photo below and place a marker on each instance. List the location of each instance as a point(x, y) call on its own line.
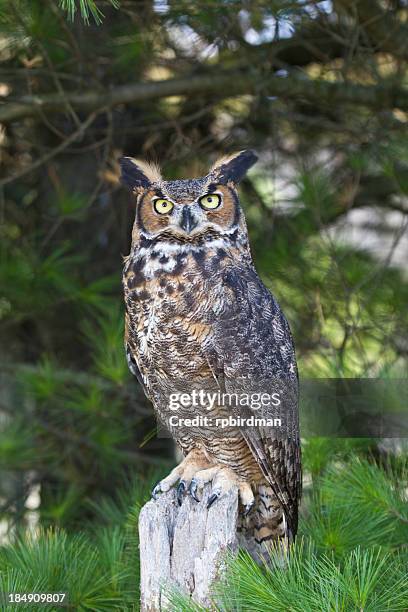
point(253, 351)
point(131, 358)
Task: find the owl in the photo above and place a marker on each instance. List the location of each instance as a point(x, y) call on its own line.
point(200, 324)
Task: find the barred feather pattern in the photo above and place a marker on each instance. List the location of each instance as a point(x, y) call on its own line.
point(198, 316)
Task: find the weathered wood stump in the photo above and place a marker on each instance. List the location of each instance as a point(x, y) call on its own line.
point(184, 547)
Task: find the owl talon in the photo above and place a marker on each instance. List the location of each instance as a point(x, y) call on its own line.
point(156, 490)
point(181, 489)
point(192, 489)
point(248, 507)
point(213, 497)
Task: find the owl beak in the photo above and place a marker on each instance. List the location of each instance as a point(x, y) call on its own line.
point(188, 220)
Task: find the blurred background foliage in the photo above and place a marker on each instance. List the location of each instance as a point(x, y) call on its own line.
point(319, 90)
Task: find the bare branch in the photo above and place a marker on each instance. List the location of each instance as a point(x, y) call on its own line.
point(77, 134)
point(381, 96)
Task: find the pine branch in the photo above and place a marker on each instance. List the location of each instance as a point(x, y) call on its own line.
point(86, 8)
point(381, 96)
point(365, 580)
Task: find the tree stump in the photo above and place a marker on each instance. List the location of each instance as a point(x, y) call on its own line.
point(183, 547)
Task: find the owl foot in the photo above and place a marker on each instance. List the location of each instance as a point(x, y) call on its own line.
point(223, 480)
point(182, 474)
point(195, 471)
point(165, 485)
point(201, 478)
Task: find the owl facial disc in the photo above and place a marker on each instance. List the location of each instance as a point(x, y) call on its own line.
point(190, 209)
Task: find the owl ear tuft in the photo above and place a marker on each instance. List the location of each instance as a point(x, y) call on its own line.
point(233, 167)
point(136, 173)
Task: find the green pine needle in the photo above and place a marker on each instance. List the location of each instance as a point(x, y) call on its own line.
point(87, 9)
point(368, 580)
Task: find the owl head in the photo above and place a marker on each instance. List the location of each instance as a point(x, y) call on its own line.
point(191, 209)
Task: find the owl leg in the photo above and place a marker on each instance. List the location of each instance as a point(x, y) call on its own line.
point(223, 480)
point(182, 473)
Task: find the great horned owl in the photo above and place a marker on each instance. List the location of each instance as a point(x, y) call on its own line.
point(199, 317)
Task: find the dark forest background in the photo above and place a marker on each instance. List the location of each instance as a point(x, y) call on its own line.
point(319, 90)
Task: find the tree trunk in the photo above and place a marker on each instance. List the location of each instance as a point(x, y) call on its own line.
point(183, 547)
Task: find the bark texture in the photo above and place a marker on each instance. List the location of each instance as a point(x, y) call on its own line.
point(183, 547)
point(225, 84)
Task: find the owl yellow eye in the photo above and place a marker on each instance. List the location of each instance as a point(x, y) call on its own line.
point(163, 207)
point(210, 201)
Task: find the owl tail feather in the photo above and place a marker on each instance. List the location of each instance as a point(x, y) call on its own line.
point(264, 533)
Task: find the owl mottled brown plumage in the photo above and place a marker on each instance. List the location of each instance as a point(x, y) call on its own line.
point(199, 317)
